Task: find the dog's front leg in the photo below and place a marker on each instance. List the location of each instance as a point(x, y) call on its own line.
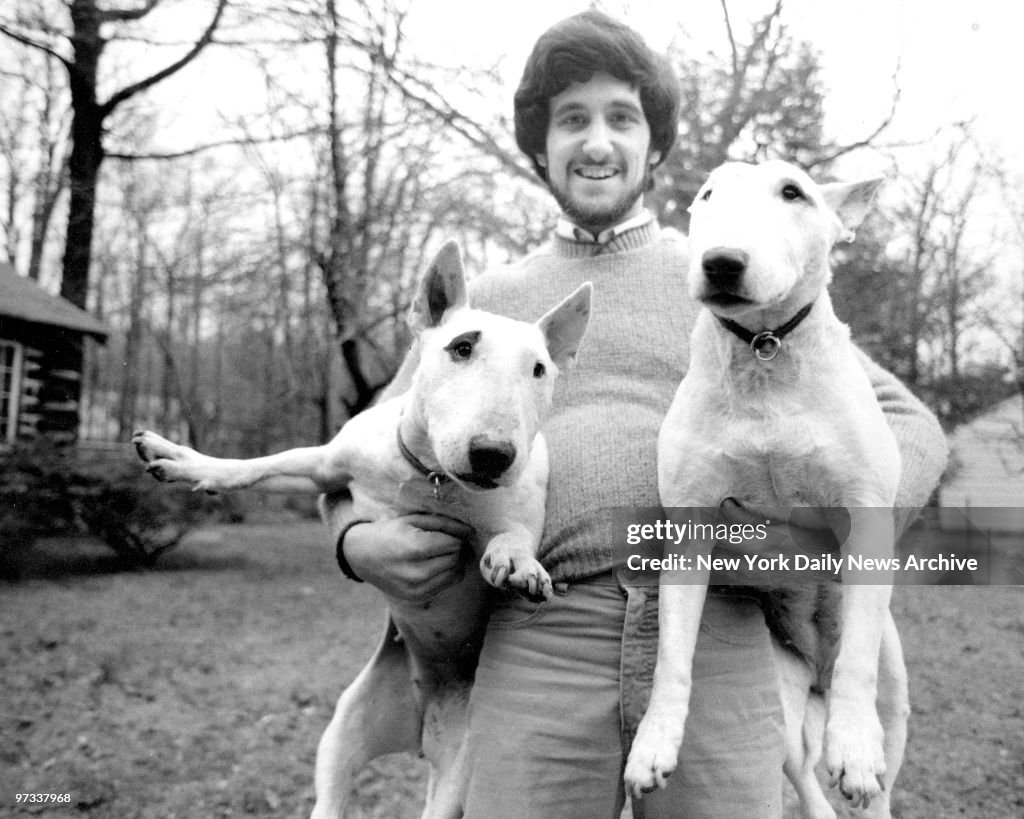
point(307, 469)
point(510, 559)
point(655, 751)
point(854, 738)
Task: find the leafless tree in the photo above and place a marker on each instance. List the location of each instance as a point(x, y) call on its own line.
point(33, 148)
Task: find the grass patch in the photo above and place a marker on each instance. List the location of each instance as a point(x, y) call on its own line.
point(200, 688)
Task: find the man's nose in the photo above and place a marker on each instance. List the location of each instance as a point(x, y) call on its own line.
point(598, 143)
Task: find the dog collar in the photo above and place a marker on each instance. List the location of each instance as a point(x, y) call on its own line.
point(766, 344)
point(435, 476)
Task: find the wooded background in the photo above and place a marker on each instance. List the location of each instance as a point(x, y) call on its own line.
point(256, 279)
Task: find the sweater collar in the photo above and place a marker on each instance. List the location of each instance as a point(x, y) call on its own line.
point(575, 243)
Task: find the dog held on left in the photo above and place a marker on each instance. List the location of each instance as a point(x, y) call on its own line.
point(777, 412)
point(463, 442)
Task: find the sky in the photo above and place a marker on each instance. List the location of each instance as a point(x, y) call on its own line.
point(957, 60)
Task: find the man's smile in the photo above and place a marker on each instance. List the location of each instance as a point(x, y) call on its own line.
point(597, 172)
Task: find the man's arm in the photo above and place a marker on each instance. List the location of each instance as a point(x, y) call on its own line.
point(922, 444)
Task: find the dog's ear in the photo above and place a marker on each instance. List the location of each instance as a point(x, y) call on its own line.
point(564, 326)
point(441, 288)
point(850, 202)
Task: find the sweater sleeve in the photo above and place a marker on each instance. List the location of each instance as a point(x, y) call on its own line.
point(922, 444)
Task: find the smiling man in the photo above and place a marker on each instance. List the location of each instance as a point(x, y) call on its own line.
point(561, 685)
point(597, 156)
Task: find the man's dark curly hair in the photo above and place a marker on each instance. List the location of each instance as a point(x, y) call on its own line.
point(573, 51)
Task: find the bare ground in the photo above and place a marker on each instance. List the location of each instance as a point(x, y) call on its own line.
point(200, 689)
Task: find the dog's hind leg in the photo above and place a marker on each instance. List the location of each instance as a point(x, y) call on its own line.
point(445, 726)
point(893, 711)
point(804, 714)
point(377, 714)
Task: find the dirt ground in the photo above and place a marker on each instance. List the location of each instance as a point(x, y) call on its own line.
point(200, 689)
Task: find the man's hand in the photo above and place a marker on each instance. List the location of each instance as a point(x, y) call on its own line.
point(412, 558)
point(806, 531)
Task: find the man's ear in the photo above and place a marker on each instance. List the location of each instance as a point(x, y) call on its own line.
point(441, 288)
point(564, 326)
point(654, 158)
point(850, 202)
point(542, 160)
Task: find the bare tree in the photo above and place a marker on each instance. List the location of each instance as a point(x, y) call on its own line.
point(79, 47)
point(1007, 322)
point(763, 98)
point(33, 146)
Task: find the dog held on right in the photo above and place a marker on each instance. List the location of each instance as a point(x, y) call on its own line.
point(776, 411)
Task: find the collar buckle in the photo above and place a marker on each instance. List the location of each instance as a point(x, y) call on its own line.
point(766, 345)
point(436, 479)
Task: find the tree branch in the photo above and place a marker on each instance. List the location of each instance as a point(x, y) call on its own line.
point(732, 38)
point(142, 85)
point(867, 140)
point(128, 15)
point(198, 149)
point(466, 127)
point(28, 41)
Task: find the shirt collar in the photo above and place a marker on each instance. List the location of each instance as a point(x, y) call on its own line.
point(574, 233)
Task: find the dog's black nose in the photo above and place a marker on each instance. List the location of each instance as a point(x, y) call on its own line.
point(490, 459)
point(723, 266)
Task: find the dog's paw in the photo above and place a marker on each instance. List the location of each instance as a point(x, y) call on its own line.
point(504, 565)
point(652, 759)
point(150, 447)
point(855, 758)
point(170, 462)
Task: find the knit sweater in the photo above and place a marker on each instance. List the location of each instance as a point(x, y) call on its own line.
point(603, 429)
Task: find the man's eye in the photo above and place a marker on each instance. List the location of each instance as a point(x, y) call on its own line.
point(704, 197)
point(792, 193)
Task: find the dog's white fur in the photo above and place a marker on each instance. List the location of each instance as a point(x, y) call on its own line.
point(483, 382)
point(803, 429)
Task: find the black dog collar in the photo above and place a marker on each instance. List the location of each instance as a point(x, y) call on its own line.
point(766, 344)
point(436, 477)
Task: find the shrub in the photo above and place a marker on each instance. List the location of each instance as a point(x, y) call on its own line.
point(47, 490)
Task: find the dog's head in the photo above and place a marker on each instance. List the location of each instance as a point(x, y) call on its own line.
point(484, 382)
point(760, 235)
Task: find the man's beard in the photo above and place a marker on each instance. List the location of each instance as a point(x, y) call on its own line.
point(601, 217)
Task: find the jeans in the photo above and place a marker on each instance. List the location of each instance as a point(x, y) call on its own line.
point(562, 685)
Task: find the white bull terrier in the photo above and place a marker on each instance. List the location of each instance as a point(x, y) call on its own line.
point(777, 412)
point(463, 442)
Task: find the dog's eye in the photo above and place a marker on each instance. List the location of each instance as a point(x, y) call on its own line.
point(792, 193)
point(704, 197)
point(539, 370)
point(461, 347)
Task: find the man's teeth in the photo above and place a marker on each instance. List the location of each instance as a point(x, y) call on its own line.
point(596, 173)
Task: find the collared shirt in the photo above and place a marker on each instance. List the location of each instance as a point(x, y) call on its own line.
point(574, 233)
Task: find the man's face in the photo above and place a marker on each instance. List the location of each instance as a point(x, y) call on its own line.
point(598, 153)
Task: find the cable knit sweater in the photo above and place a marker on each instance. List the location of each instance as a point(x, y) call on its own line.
point(603, 430)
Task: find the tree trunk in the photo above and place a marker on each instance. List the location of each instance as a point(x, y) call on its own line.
point(86, 150)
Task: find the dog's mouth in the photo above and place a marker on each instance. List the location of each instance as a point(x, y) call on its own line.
point(477, 481)
point(723, 299)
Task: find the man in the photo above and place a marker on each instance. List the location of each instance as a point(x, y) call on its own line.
point(561, 685)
